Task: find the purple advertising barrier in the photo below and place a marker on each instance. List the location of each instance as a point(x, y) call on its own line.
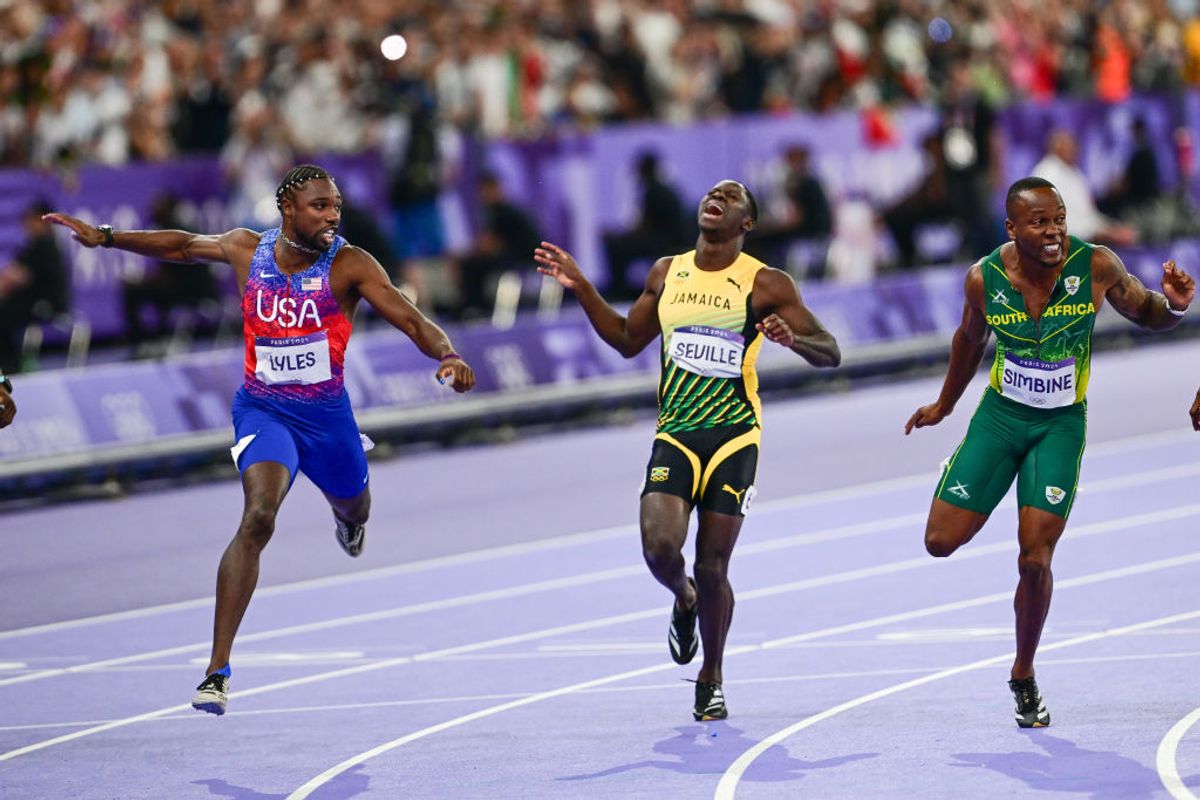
point(137, 411)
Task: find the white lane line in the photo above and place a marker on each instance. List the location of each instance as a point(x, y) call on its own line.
point(852, 492)
point(331, 773)
point(821, 580)
point(1166, 760)
point(831, 534)
point(729, 781)
point(570, 582)
point(643, 687)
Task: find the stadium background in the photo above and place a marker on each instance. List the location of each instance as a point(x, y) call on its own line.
point(111, 106)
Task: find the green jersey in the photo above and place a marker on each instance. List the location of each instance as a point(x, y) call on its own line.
point(1043, 363)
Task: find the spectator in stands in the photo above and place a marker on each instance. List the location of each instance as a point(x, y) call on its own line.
point(971, 152)
point(33, 286)
point(418, 232)
point(1139, 185)
point(506, 240)
point(166, 288)
point(803, 214)
point(928, 202)
point(1060, 166)
point(660, 228)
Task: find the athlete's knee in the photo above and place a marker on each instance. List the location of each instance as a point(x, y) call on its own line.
point(1034, 562)
point(659, 551)
point(940, 543)
point(711, 573)
point(258, 524)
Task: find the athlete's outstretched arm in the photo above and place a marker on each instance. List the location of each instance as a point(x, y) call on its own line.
point(184, 247)
point(1194, 412)
point(1134, 301)
point(369, 279)
point(966, 351)
point(785, 320)
point(627, 335)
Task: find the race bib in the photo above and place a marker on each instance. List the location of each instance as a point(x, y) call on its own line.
point(711, 352)
point(1041, 384)
point(292, 360)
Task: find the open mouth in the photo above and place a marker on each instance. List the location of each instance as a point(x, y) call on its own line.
point(1052, 249)
point(713, 210)
point(326, 236)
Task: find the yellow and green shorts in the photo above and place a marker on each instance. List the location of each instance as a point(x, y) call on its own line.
point(713, 468)
point(1041, 448)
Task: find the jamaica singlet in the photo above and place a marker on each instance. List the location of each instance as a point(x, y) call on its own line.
point(295, 330)
point(709, 346)
point(1044, 363)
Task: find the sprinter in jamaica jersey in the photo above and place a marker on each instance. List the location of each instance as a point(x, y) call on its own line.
point(1038, 294)
point(713, 307)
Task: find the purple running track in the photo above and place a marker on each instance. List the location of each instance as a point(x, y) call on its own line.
point(501, 637)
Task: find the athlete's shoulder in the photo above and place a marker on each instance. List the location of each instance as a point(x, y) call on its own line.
point(241, 238)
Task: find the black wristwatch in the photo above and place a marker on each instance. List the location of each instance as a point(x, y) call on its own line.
point(108, 235)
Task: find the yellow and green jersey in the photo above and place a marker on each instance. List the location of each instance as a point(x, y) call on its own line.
point(1043, 363)
point(709, 346)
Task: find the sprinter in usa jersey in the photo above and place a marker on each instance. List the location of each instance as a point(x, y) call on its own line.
point(713, 307)
point(300, 284)
point(1038, 294)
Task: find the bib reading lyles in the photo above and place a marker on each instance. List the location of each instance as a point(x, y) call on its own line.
point(707, 351)
point(1041, 384)
point(284, 361)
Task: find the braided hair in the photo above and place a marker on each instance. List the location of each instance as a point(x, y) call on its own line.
point(297, 176)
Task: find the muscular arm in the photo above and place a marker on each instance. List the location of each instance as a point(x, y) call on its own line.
point(966, 351)
point(181, 246)
point(358, 274)
point(1130, 297)
point(627, 335)
point(786, 320)
point(362, 273)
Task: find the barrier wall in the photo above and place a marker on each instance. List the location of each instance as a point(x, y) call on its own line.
point(141, 411)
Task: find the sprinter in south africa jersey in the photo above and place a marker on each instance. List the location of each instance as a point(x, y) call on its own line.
point(1038, 294)
point(300, 285)
point(713, 307)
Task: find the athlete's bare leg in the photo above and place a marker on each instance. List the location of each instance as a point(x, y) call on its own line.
point(1038, 532)
point(950, 527)
point(354, 510)
point(715, 539)
point(264, 485)
point(664, 521)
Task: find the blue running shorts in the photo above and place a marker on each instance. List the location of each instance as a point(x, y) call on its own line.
point(320, 439)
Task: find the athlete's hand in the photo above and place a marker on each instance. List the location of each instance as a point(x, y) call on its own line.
point(928, 415)
point(1195, 412)
point(1178, 286)
point(86, 235)
point(8, 408)
point(457, 373)
point(776, 330)
point(558, 264)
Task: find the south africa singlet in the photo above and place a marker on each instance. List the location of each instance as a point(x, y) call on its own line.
point(1031, 423)
point(709, 346)
point(1043, 363)
point(295, 330)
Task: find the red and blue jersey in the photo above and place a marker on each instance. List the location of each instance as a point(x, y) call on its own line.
point(295, 330)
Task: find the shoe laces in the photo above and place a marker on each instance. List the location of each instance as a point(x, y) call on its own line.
point(1027, 694)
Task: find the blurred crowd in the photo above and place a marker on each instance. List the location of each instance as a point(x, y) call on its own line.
point(112, 81)
point(267, 82)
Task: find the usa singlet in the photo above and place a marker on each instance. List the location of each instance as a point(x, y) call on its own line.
point(293, 408)
point(1043, 363)
point(709, 346)
point(295, 330)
